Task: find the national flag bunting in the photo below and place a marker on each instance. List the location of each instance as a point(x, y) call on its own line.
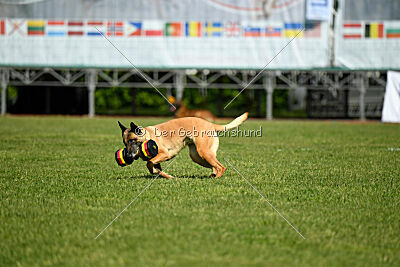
point(95, 28)
point(75, 28)
point(16, 27)
point(36, 27)
point(134, 28)
point(271, 31)
point(252, 31)
point(193, 29)
point(352, 30)
point(115, 28)
point(55, 28)
point(2, 27)
point(153, 32)
point(173, 29)
point(213, 29)
point(153, 28)
point(232, 29)
point(292, 30)
point(392, 33)
point(374, 30)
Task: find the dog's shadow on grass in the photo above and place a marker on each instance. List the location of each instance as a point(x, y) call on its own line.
point(192, 176)
point(149, 176)
point(140, 176)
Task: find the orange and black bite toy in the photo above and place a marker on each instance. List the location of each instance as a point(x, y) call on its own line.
point(147, 151)
point(122, 158)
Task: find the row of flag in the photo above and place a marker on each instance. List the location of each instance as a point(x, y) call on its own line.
point(155, 28)
point(358, 30)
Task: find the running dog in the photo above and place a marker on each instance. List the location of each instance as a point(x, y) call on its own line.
point(172, 136)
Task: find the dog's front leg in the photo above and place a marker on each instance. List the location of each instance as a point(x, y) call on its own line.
point(155, 168)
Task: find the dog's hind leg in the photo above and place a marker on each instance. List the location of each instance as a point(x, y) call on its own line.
point(207, 150)
point(196, 158)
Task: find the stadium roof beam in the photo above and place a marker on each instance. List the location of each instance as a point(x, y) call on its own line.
point(287, 79)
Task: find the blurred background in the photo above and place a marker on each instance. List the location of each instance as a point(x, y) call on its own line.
point(322, 58)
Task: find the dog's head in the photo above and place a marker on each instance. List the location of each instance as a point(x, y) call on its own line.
point(133, 138)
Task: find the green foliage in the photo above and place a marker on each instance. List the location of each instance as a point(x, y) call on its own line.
point(280, 99)
point(150, 102)
point(194, 99)
point(12, 95)
point(119, 101)
point(336, 182)
point(149, 99)
point(112, 98)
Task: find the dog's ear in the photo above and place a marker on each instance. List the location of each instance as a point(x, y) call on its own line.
point(123, 128)
point(133, 126)
point(136, 129)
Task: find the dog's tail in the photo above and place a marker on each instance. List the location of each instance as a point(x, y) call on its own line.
point(233, 124)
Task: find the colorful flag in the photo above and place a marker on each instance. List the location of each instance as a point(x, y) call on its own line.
point(95, 28)
point(252, 31)
point(393, 32)
point(153, 28)
point(232, 29)
point(55, 28)
point(134, 28)
point(173, 29)
point(2, 27)
point(193, 29)
point(36, 27)
point(115, 28)
point(75, 28)
point(352, 30)
point(293, 29)
point(271, 31)
point(213, 29)
point(153, 33)
point(17, 27)
point(312, 30)
point(374, 30)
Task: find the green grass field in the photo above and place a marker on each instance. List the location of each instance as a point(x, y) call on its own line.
point(338, 183)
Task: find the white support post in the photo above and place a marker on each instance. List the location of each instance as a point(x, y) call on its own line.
point(92, 75)
point(4, 82)
point(362, 97)
point(269, 88)
point(179, 85)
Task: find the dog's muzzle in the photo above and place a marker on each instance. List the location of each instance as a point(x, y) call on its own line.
point(147, 150)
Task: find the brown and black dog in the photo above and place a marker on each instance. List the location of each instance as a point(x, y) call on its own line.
point(172, 136)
